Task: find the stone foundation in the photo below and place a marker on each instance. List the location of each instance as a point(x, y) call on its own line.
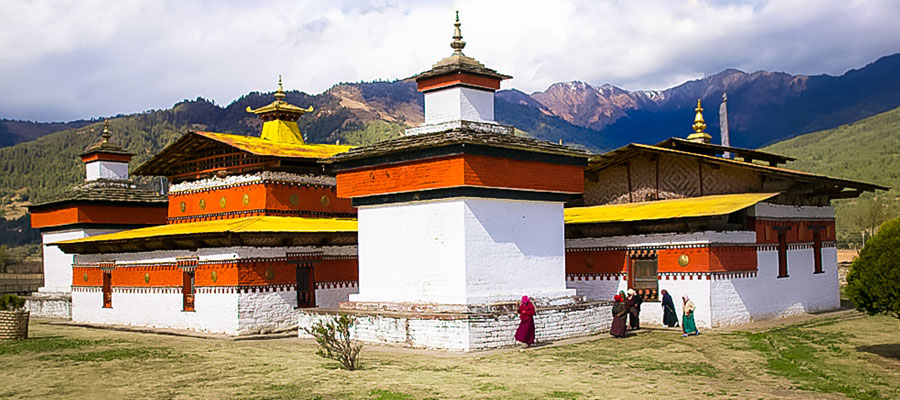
point(50, 304)
point(493, 326)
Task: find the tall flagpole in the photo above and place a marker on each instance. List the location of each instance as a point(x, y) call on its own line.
point(723, 123)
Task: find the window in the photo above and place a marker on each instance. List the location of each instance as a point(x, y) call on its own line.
point(645, 280)
point(107, 289)
point(817, 248)
point(782, 250)
point(187, 290)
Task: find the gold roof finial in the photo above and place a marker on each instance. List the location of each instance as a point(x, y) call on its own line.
point(105, 135)
point(457, 44)
point(699, 126)
point(699, 123)
point(279, 94)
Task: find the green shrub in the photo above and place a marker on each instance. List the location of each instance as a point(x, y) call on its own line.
point(873, 283)
point(12, 302)
point(334, 341)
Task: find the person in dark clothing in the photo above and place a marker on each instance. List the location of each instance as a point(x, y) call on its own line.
point(634, 310)
point(619, 311)
point(670, 318)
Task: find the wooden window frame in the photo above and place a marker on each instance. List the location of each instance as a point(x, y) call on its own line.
point(188, 290)
point(817, 248)
point(107, 289)
point(782, 250)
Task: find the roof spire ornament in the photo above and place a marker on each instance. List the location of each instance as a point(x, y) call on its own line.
point(105, 135)
point(457, 44)
point(699, 126)
point(279, 94)
point(699, 123)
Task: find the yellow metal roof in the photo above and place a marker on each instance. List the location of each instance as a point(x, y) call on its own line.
point(255, 224)
point(262, 147)
point(705, 206)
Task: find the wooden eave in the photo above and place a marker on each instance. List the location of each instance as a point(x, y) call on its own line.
point(623, 154)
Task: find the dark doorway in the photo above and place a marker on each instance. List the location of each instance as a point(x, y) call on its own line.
point(187, 291)
point(107, 289)
point(306, 286)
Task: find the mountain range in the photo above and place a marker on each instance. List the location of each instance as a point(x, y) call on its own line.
point(763, 107)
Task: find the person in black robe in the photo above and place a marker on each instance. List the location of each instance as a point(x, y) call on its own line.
point(634, 309)
point(670, 318)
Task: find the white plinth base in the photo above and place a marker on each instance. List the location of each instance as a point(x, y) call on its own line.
point(47, 304)
point(470, 331)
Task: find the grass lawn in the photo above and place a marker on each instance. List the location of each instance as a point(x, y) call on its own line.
point(834, 356)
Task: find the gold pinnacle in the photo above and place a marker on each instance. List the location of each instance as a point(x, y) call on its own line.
point(699, 124)
point(279, 94)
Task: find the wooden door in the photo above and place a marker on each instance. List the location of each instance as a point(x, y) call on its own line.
point(107, 290)
point(306, 286)
point(187, 291)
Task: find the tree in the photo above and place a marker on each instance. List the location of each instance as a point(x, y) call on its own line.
point(869, 214)
point(873, 283)
point(334, 341)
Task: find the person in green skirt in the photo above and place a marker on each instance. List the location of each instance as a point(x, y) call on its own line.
point(687, 320)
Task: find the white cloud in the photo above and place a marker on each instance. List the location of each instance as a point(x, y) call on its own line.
point(62, 60)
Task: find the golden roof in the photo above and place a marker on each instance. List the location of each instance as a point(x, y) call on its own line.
point(263, 147)
point(257, 224)
point(692, 207)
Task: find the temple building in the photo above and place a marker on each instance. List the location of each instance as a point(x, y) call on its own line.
point(457, 220)
point(745, 238)
point(108, 201)
point(430, 238)
point(253, 230)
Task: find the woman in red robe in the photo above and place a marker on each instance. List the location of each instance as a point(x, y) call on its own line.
point(619, 312)
point(525, 333)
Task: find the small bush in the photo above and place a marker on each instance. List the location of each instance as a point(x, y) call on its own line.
point(334, 341)
point(873, 283)
point(12, 302)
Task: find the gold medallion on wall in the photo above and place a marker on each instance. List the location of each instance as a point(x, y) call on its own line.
point(202, 204)
point(85, 277)
point(222, 202)
point(270, 274)
point(146, 277)
point(245, 199)
point(214, 276)
point(182, 206)
point(683, 260)
point(325, 201)
point(294, 199)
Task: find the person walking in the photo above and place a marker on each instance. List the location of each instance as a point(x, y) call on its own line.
point(525, 333)
point(670, 318)
point(688, 326)
point(619, 312)
point(634, 309)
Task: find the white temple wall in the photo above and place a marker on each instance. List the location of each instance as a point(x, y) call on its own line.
point(600, 288)
point(265, 312)
point(420, 260)
point(106, 170)
point(459, 103)
point(698, 289)
point(664, 239)
point(158, 308)
point(514, 248)
point(766, 296)
point(58, 265)
point(331, 297)
point(783, 211)
point(212, 254)
point(452, 251)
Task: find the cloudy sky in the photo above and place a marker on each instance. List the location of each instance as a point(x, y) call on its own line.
point(63, 60)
